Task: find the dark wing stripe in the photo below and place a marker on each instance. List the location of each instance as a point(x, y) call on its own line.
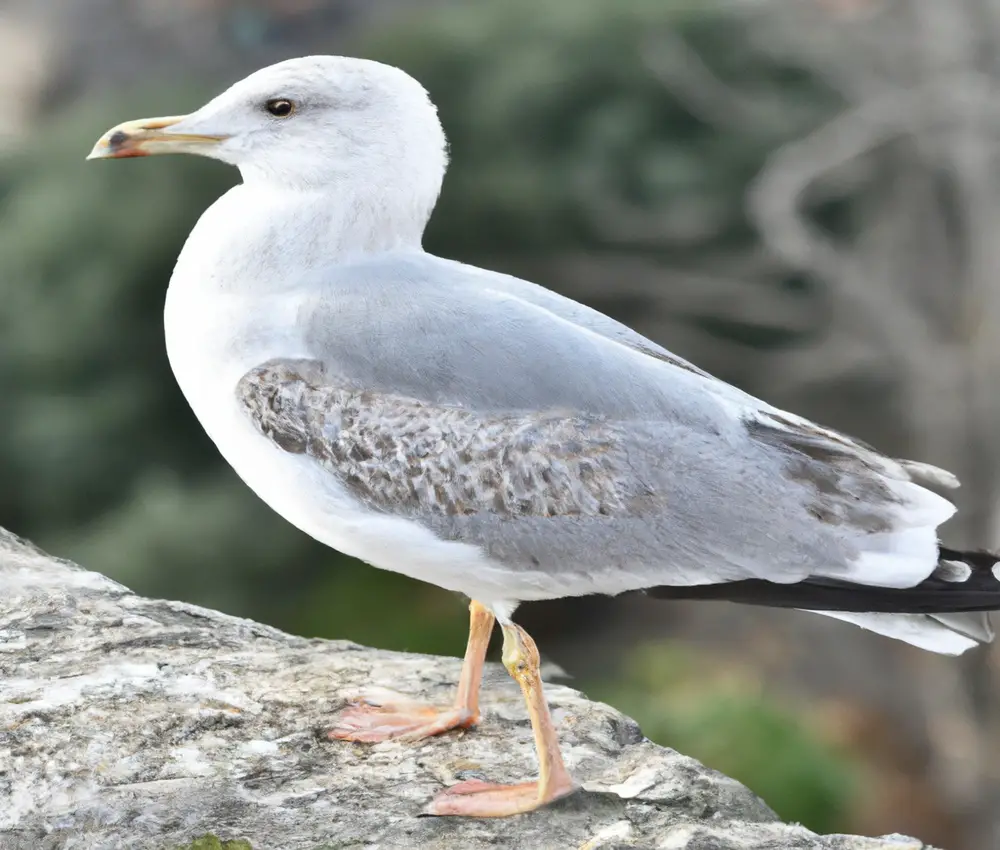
point(935, 595)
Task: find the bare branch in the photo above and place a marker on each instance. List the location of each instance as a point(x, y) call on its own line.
point(686, 76)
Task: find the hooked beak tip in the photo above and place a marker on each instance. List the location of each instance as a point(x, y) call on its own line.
point(150, 136)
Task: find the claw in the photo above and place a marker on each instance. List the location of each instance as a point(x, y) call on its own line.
point(368, 723)
point(478, 799)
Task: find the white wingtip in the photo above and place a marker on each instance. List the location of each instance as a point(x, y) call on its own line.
point(930, 474)
point(921, 630)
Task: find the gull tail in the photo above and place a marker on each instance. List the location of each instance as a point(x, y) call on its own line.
point(946, 612)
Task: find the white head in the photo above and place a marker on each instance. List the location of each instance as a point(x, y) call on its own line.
point(326, 123)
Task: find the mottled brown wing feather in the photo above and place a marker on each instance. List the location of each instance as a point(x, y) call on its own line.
point(405, 455)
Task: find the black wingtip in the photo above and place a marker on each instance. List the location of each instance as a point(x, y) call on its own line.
point(947, 591)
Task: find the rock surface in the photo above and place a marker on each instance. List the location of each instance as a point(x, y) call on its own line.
point(137, 723)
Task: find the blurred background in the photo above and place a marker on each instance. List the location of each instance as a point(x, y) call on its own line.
point(802, 196)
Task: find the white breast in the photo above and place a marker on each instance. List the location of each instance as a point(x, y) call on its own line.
point(218, 328)
point(213, 338)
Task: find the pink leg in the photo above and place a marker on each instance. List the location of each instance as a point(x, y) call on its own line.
point(485, 799)
point(369, 723)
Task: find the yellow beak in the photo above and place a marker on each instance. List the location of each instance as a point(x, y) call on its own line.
point(148, 137)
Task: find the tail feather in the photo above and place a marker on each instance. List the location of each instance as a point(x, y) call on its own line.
point(948, 634)
point(945, 612)
point(976, 627)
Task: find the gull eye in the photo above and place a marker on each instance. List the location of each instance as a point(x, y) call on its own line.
point(280, 107)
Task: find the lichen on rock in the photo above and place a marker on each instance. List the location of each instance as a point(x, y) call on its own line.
point(213, 842)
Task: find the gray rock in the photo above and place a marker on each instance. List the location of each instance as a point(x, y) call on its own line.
point(140, 723)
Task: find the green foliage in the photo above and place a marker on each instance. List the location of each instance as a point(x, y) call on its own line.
point(728, 724)
point(563, 137)
point(89, 401)
point(212, 842)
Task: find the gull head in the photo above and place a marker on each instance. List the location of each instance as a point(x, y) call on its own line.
point(315, 122)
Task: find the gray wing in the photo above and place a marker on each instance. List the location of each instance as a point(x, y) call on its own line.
point(491, 419)
point(428, 329)
point(578, 314)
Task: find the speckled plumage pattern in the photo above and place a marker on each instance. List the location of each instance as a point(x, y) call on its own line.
point(407, 456)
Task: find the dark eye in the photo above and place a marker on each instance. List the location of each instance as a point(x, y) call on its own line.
point(280, 107)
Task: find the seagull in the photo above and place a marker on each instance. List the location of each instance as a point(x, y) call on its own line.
point(487, 435)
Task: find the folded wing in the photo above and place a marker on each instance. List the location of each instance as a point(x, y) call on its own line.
point(570, 448)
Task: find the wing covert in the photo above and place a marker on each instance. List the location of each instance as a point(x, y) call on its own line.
point(408, 456)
